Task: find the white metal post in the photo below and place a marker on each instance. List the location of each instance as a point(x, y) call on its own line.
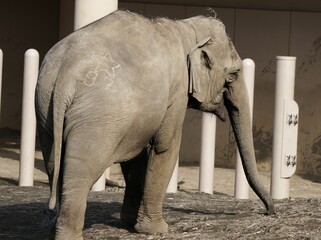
point(28, 125)
point(207, 153)
point(87, 12)
point(1, 64)
point(100, 183)
point(172, 186)
point(285, 76)
point(241, 188)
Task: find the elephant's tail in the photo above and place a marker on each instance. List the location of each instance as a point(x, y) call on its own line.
point(60, 105)
point(58, 119)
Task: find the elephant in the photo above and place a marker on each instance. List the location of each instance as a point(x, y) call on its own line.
point(116, 91)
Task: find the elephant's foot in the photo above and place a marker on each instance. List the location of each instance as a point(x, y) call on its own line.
point(70, 223)
point(146, 225)
point(270, 209)
point(67, 236)
point(64, 232)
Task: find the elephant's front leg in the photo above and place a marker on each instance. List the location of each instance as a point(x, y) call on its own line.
point(159, 170)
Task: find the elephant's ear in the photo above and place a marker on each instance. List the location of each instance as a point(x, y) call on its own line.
point(198, 67)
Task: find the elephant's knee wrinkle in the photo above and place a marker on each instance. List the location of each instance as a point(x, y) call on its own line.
point(166, 146)
point(160, 150)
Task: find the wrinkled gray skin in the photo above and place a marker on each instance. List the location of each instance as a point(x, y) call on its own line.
point(117, 91)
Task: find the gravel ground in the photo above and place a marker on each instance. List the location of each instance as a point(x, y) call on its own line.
point(190, 215)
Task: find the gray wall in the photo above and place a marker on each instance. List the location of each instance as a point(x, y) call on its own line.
point(257, 33)
point(23, 25)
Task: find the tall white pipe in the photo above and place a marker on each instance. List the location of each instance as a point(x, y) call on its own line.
point(1, 64)
point(87, 12)
point(207, 153)
point(241, 188)
point(172, 186)
point(285, 76)
point(28, 125)
point(100, 183)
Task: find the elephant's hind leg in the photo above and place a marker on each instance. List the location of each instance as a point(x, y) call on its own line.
point(73, 206)
point(84, 161)
point(134, 173)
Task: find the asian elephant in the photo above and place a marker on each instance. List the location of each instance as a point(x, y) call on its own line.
point(117, 91)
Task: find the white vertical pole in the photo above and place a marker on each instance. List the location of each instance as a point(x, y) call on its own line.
point(87, 12)
point(284, 89)
point(207, 153)
point(241, 188)
point(1, 64)
point(172, 186)
point(107, 173)
point(28, 125)
point(100, 183)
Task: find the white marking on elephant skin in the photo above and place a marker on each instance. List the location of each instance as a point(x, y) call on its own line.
point(105, 68)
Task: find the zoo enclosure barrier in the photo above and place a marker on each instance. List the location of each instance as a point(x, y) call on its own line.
point(284, 140)
point(28, 121)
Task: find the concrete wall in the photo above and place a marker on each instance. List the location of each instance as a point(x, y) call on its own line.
point(23, 25)
point(258, 34)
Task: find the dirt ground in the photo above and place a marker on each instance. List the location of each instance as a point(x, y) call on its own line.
point(190, 215)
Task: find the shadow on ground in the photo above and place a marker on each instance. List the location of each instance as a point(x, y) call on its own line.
point(189, 215)
point(27, 221)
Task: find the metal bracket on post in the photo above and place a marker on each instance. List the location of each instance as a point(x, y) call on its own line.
point(289, 138)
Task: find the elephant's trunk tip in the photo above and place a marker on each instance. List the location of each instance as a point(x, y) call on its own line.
point(270, 209)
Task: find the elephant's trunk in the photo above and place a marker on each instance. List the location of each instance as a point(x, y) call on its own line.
point(237, 104)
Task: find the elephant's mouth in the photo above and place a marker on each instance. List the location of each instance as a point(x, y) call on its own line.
point(219, 111)
point(215, 106)
point(218, 105)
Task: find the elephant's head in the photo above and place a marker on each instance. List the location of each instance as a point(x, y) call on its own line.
point(216, 80)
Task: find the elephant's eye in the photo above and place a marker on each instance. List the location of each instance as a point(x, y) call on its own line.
point(232, 76)
point(207, 60)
